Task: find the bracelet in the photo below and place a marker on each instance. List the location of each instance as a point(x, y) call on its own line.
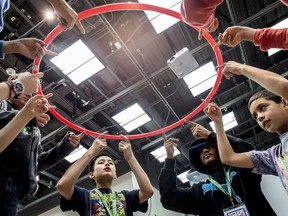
point(10, 88)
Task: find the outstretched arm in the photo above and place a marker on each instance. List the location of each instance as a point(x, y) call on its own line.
point(232, 36)
point(65, 185)
point(227, 154)
point(35, 106)
point(146, 190)
point(264, 78)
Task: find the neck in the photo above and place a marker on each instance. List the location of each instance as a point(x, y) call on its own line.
point(103, 185)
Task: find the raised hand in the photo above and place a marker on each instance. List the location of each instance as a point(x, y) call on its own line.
point(99, 144)
point(30, 47)
point(66, 15)
point(231, 68)
point(38, 105)
point(170, 145)
point(214, 112)
point(74, 139)
point(30, 81)
point(125, 148)
point(198, 131)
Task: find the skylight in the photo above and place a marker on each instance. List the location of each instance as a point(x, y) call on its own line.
point(229, 121)
point(76, 154)
point(161, 22)
point(201, 79)
point(183, 176)
point(77, 62)
point(132, 117)
point(282, 24)
point(160, 153)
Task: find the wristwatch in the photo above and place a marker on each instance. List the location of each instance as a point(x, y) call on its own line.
point(17, 87)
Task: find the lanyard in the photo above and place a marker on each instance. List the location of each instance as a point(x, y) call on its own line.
point(114, 211)
point(283, 159)
point(228, 183)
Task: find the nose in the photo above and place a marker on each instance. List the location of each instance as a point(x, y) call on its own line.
point(260, 117)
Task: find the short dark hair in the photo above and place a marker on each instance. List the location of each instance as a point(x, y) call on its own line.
point(266, 95)
point(92, 162)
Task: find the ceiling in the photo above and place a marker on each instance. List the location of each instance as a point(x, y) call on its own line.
point(138, 72)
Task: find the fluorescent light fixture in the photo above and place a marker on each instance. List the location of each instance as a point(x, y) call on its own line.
point(201, 79)
point(161, 22)
point(160, 153)
point(183, 176)
point(76, 154)
point(229, 121)
point(282, 24)
point(132, 117)
point(77, 62)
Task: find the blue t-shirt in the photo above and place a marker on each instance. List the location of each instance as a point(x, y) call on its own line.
point(4, 6)
point(88, 203)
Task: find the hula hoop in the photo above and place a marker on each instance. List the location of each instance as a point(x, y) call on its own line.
point(133, 6)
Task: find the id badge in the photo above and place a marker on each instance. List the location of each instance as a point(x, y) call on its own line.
point(237, 210)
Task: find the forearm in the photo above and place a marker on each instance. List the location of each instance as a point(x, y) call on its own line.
point(225, 150)
point(146, 190)
point(267, 80)
point(4, 91)
point(11, 47)
point(247, 33)
point(13, 128)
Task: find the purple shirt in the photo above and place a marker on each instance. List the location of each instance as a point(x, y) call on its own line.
point(269, 161)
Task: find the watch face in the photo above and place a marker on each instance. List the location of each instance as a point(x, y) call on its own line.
point(19, 87)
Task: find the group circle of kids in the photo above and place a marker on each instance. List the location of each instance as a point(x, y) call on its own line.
point(233, 166)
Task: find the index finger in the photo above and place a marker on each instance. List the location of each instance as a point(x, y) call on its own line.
point(200, 34)
point(221, 66)
point(164, 137)
point(81, 135)
point(102, 134)
point(48, 95)
point(80, 26)
point(50, 53)
point(192, 124)
point(124, 137)
point(217, 44)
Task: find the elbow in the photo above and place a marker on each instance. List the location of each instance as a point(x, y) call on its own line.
point(61, 185)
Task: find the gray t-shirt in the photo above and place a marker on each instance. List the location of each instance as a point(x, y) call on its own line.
point(269, 161)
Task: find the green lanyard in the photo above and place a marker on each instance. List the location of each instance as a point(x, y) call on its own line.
point(228, 183)
point(283, 159)
point(114, 194)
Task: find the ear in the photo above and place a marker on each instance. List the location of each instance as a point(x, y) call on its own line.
point(285, 103)
point(91, 175)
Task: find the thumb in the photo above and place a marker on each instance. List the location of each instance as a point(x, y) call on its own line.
point(39, 75)
point(81, 135)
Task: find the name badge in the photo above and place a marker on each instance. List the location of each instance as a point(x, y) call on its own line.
point(237, 210)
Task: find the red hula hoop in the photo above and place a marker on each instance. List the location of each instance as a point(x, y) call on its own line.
point(134, 6)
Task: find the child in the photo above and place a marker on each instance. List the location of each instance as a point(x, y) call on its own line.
point(99, 201)
point(271, 113)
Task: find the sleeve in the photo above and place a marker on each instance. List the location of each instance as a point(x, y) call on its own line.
point(132, 200)
point(268, 38)
point(78, 203)
point(263, 161)
point(2, 55)
point(199, 13)
point(238, 145)
point(47, 159)
point(182, 200)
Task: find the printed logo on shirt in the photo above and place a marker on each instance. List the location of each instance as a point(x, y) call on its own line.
point(211, 187)
point(98, 208)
